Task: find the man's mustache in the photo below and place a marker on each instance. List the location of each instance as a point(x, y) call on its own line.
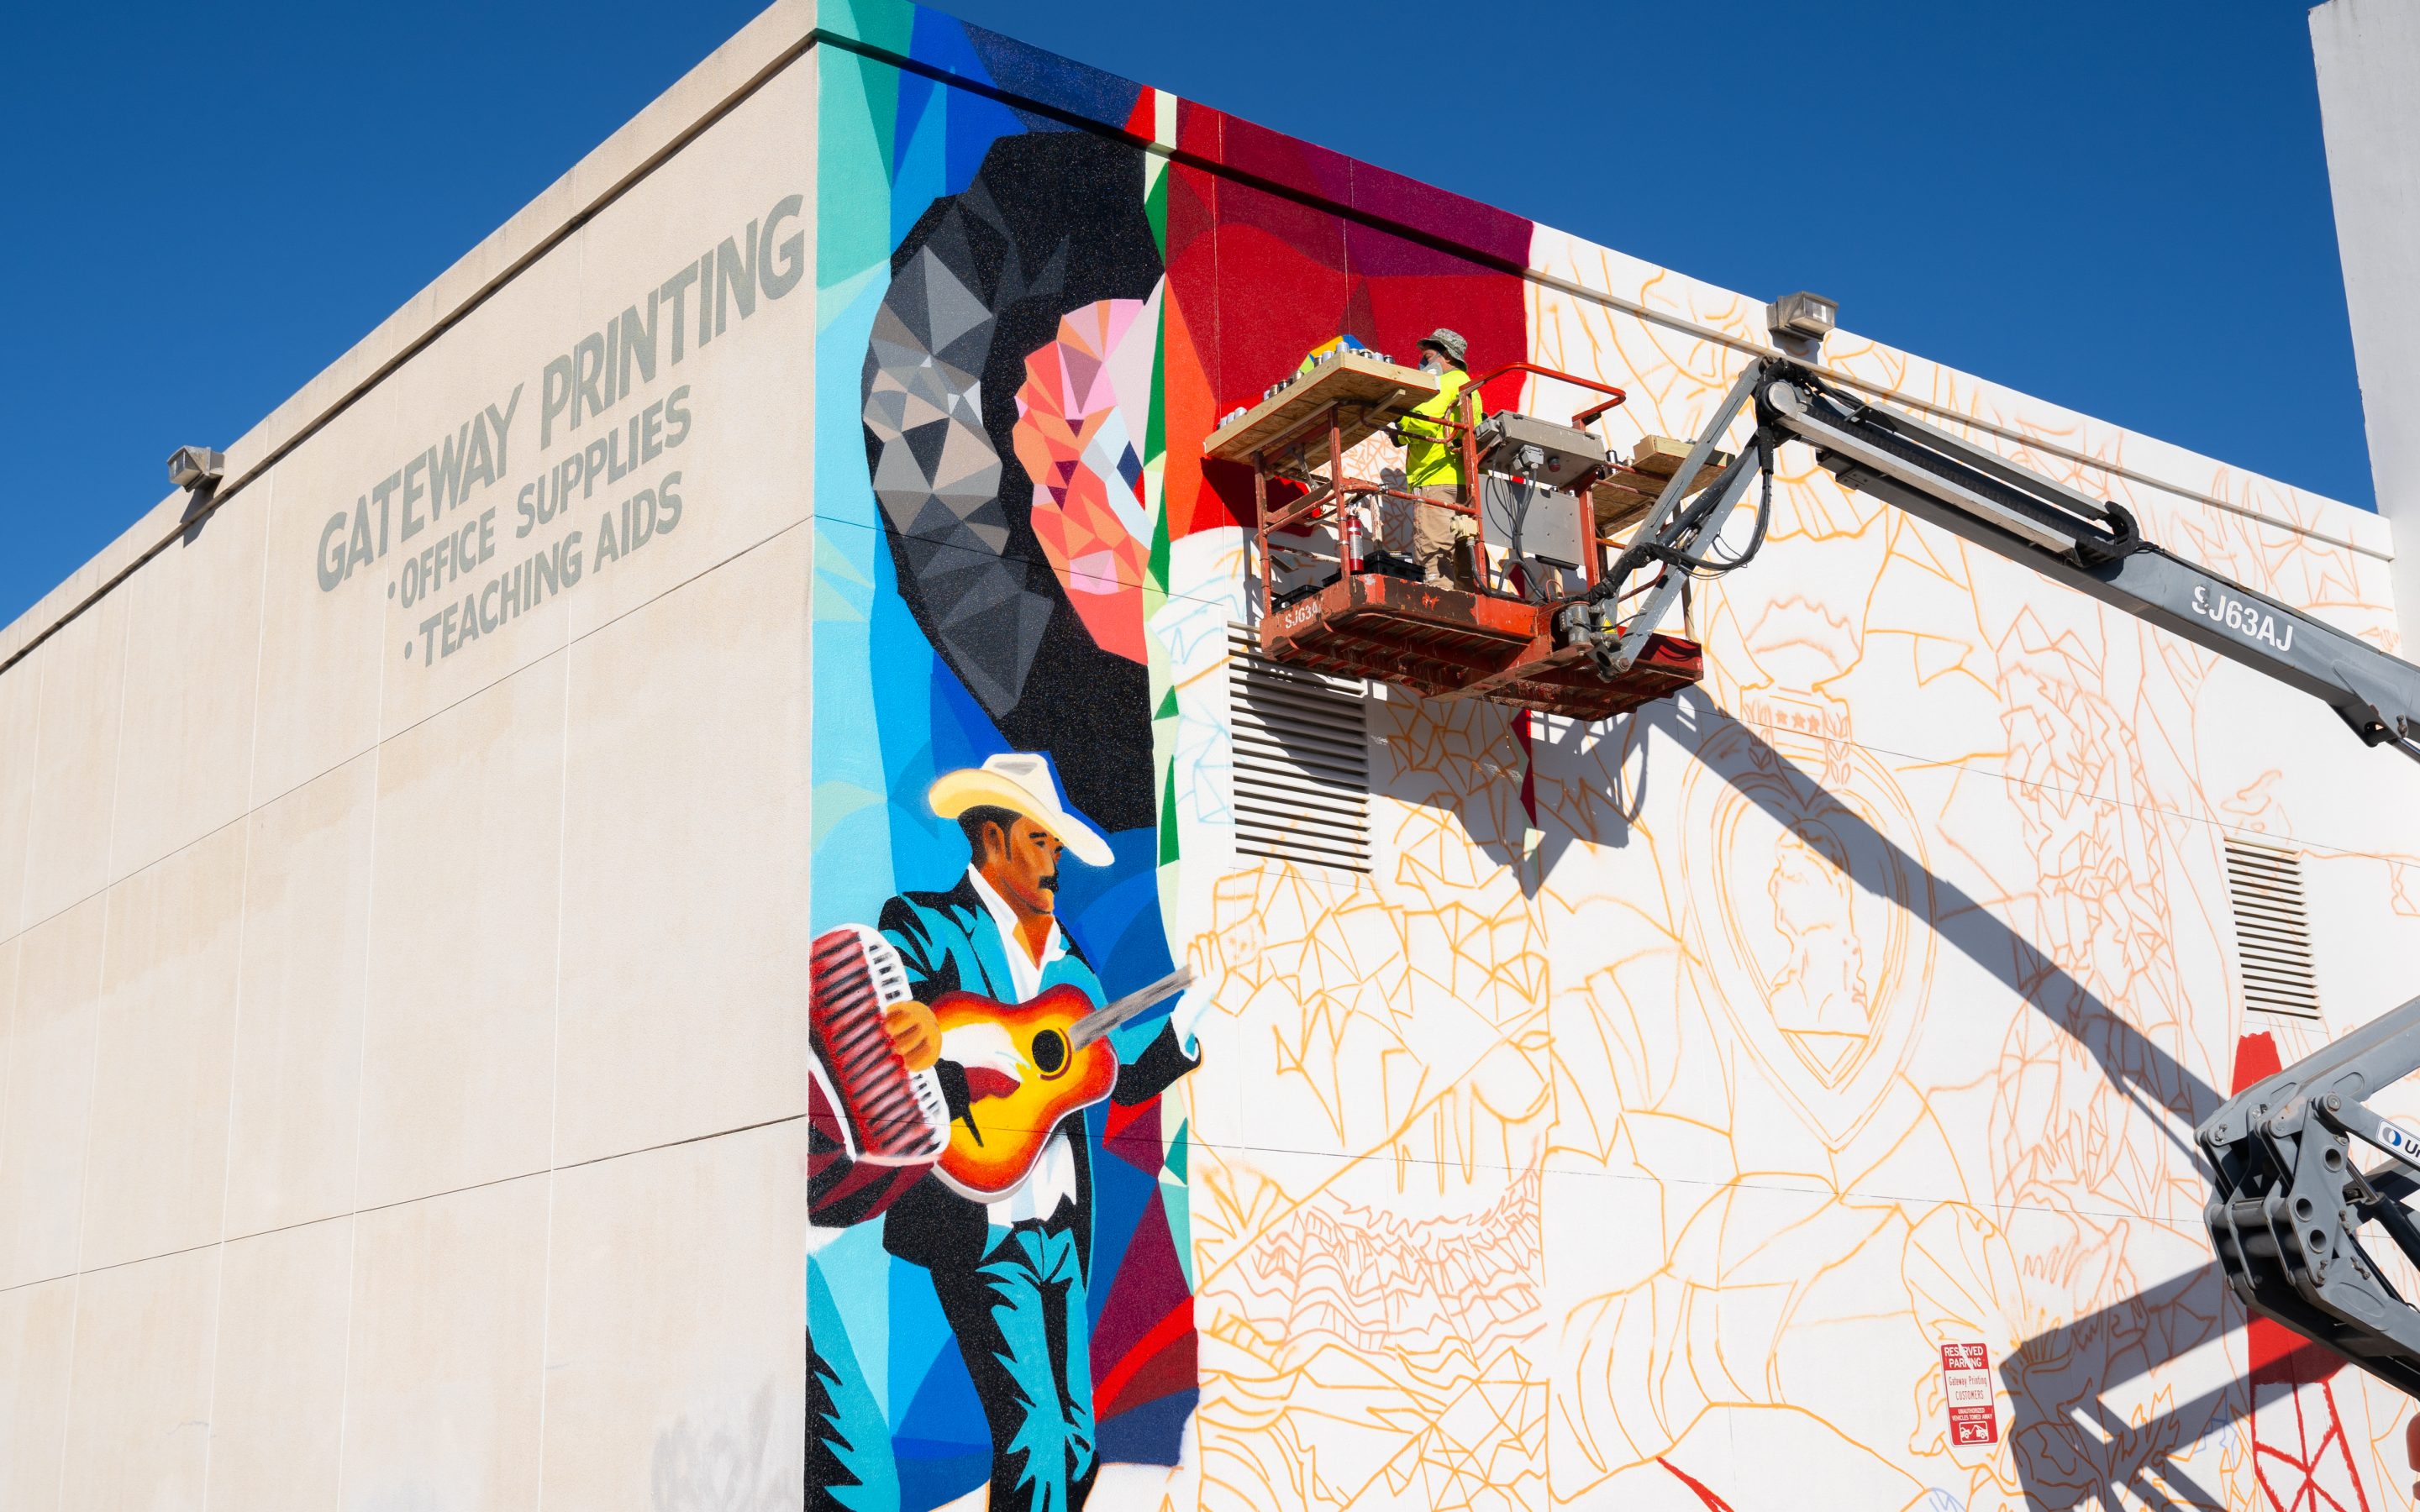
point(1050, 882)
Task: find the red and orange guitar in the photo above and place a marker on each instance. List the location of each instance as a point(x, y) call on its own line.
point(1063, 1061)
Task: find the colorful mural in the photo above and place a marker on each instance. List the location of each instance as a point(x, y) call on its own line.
point(991, 434)
point(1031, 314)
point(1851, 1016)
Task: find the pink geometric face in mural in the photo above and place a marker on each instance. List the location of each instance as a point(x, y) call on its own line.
point(1084, 414)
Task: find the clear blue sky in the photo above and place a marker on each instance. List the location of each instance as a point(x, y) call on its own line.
point(2120, 207)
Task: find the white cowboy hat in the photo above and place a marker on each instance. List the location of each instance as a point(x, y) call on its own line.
point(1024, 782)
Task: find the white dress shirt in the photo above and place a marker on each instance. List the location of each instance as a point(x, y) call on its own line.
point(1053, 1178)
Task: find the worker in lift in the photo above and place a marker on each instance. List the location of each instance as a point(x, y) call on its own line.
point(1444, 542)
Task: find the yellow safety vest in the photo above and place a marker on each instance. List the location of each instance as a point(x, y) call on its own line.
point(1438, 460)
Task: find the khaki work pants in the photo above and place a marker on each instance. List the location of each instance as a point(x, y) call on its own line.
point(1435, 531)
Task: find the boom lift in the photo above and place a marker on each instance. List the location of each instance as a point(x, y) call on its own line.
point(2089, 544)
point(2288, 1202)
point(1541, 496)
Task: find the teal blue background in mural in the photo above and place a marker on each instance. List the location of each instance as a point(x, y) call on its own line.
point(890, 715)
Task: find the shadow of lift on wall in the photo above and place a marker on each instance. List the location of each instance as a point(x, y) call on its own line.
point(2070, 1443)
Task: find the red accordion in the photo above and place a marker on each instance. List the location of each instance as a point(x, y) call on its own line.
point(889, 1115)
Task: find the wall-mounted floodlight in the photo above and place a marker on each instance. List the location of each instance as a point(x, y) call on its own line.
point(1800, 321)
point(193, 467)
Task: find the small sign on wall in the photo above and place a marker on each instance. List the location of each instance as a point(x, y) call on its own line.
point(1966, 1371)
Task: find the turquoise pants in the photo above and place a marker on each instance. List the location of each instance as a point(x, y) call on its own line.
point(1022, 1324)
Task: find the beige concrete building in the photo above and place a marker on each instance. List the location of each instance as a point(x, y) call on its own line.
point(411, 849)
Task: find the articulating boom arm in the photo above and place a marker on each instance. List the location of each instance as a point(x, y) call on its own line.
point(2291, 1201)
point(2089, 544)
point(2288, 1202)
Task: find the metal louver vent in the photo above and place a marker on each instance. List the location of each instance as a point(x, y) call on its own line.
point(2273, 927)
point(1302, 761)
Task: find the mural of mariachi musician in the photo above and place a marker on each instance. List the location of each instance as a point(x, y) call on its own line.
point(1008, 389)
point(1011, 1270)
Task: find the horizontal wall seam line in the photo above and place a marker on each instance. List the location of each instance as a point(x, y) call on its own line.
point(406, 1202)
point(676, 1144)
point(538, 660)
point(592, 630)
point(375, 742)
point(1812, 1188)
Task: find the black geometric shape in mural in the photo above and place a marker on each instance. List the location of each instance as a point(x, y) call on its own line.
point(1052, 222)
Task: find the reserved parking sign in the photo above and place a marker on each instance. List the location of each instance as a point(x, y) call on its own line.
point(1966, 1371)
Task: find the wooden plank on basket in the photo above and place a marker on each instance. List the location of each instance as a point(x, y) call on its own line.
point(1623, 497)
point(1660, 456)
point(1357, 382)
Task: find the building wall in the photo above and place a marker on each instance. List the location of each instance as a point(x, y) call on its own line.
point(398, 951)
point(1855, 1005)
point(2366, 51)
point(403, 1093)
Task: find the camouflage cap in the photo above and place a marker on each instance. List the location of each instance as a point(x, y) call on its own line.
point(1448, 342)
